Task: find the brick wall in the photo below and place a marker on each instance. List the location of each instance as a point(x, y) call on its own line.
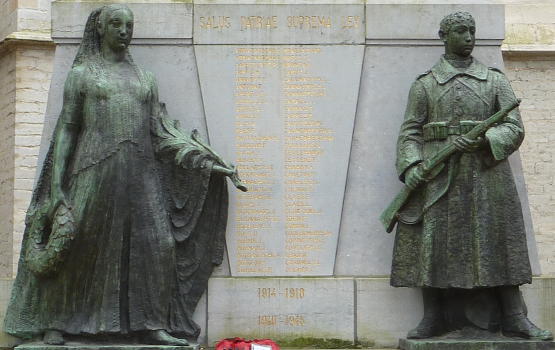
point(33, 72)
point(533, 80)
point(7, 122)
point(530, 65)
point(25, 73)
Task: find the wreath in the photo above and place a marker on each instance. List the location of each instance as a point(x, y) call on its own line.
point(49, 239)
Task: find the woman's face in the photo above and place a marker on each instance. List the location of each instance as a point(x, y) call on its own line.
point(118, 30)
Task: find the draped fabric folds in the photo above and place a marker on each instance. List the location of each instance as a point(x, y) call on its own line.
point(149, 233)
point(150, 213)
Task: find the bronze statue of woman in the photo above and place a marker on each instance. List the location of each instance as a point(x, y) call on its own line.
point(146, 207)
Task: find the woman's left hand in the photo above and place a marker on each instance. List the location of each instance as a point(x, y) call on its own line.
point(232, 174)
point(222, 170)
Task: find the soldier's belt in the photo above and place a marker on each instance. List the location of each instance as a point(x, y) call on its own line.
point(442, 130)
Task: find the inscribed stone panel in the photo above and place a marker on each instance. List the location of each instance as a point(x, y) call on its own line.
point(285, 115)
point(279, 24)
point(280, 308)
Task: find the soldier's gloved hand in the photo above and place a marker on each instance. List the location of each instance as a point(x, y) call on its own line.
point(414, 176)
point(464, 144)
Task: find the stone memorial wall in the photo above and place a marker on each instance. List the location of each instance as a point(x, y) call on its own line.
point(306, 98)
point(285, 113)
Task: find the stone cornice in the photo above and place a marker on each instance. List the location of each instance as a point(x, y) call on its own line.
point(511, 50)
point(26, 38)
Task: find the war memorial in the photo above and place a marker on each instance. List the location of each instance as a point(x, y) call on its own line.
point(307, 107)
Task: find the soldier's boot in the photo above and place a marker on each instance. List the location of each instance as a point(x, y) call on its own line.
point(433, 323)
point(515, 323)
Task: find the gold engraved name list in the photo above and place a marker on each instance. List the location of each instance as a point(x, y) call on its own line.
point(275, 96)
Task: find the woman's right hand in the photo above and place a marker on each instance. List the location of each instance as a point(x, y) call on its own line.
point(57, 197)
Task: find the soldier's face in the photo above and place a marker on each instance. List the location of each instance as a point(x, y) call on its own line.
point(460, 39)
point(118, 30)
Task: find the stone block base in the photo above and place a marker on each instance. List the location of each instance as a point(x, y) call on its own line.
point(82, 346)
point(367, 310)
point(457, 344)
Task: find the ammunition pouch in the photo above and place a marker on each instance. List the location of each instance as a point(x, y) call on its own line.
point(436, 131)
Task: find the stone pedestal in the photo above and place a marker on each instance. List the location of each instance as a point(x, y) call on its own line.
point(81, 346)
point(457, 344)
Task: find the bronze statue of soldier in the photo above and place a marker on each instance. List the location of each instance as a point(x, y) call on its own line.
point(129, 214)
point(463, 229)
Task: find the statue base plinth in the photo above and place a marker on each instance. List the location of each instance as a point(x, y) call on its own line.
point(88, 346)
point(475, 344)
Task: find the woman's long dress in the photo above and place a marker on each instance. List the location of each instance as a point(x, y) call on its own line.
point(126, 270)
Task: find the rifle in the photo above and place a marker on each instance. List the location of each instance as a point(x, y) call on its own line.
point(431, 166)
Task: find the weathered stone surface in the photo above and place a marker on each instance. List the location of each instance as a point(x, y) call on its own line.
point(420, 20)
point(80, 346)
point(285, 114)
point(281, 308)
point(385, 314)
point(171, 20)
point(291, 23)
point(452, 344)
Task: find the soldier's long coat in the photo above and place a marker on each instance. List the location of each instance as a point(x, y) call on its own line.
point(472, 231)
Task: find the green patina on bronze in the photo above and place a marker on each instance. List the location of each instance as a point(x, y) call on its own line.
point(129, 214)
point(472, 231)
point(461, 236)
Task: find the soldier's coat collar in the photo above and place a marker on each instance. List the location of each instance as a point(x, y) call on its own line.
point(443, 71)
